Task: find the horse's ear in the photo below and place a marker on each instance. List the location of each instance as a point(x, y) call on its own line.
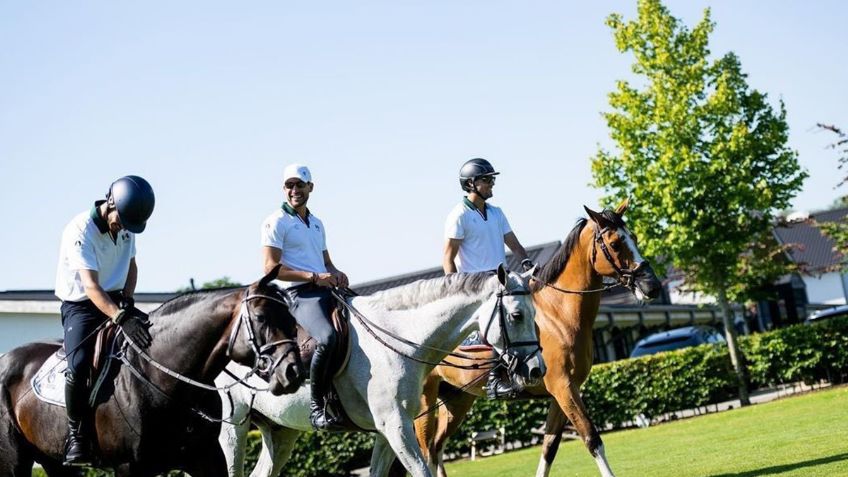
point(270, 276)
point(502, 274)
point(596, 217)
point(622, 207)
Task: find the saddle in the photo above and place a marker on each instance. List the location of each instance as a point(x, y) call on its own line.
point(340, 318)
point(48, 384)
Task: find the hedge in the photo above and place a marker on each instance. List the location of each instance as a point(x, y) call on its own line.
point(616, 392)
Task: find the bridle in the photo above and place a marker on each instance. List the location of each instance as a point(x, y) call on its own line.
point(625, 277)
point(263, 362)
point(509, 358)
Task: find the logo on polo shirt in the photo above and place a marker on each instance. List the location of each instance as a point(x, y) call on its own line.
point(125, 236)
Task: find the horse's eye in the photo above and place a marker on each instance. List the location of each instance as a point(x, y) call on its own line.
point(517, 315)
point(616, 245)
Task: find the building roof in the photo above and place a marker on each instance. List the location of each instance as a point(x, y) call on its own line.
point(813, 250)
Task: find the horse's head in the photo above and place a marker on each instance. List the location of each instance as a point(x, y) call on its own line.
point(507, 323)
point(615, 254)
point(264, 337)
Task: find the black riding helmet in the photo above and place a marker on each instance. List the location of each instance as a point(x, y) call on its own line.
point(474, 169)
point(133, 197)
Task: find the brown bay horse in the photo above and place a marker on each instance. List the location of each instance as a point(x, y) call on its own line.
point(567, 299)
point(158, 416)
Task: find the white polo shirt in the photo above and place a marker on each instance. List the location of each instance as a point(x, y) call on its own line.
point(302, 242)
point(87, 245)
point(482, 247)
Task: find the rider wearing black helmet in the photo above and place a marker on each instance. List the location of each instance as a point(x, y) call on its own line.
point(95, 280)
point(476, 232)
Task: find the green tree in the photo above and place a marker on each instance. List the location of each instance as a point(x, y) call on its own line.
point(223, 282)
point(838, 231)
point(702, 155)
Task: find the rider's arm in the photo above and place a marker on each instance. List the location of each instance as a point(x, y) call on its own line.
point(341, 278)
point(451, 249)
point(512, 242)
point(96, 294)
point(132, 279)
point(271, 258)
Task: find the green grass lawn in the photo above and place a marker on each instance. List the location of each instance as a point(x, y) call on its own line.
point(799, 436)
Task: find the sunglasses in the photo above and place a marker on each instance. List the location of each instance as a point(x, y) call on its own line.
point(487, 179)
point(293, 185)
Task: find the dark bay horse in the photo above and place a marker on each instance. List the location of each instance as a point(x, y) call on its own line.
point(567, 299)
point(159, 417)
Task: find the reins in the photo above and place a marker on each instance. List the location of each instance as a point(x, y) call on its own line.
point(370, 326)
point(262, 362)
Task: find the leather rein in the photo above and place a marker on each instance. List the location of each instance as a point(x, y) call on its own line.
point(263, 363)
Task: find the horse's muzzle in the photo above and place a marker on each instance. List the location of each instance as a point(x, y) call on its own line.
point(648, 283)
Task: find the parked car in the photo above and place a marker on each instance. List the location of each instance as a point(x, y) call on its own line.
point(676, 339)
point(823, 315)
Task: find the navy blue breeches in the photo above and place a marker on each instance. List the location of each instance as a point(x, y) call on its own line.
point(80, 319)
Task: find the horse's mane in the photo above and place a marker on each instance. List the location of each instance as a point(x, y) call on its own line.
point(181, 302)
point(552, 269)
point(421, 292)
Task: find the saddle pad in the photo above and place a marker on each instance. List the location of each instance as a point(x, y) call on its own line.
point(48, 384)
point(474, 342)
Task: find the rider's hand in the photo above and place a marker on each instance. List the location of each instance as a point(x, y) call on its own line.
point(341, 280)
point(134, 324)
point(326, 280)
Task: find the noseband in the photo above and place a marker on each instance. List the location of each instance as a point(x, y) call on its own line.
point(500, 311)
point(263, 362)
point(626, 276)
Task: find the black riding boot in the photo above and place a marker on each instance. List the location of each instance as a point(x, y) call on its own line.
point(78, 450)
point(320, 378)
point(500, 387)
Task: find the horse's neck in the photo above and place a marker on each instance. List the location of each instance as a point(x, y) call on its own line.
point(575, 310)
point(441, 324)
point(192, 342)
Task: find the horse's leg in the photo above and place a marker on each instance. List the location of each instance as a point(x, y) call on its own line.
point(382, 458)
point(277, 445)
point(451, 417)
point(210, 463)
point(425, 426)
point(554, 425)
point(233, 437)
point(568, 398)
point(400, 434)
point(15, 459)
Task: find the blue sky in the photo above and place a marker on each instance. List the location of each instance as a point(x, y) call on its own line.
point(383, 100)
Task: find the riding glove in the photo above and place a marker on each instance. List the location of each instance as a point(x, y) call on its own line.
point(134, 324)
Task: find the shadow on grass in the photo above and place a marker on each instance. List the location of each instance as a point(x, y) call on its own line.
point(779, 469)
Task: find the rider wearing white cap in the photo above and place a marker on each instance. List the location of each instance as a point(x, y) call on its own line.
point(96, 280)
point(294, 237)
point(476, 232)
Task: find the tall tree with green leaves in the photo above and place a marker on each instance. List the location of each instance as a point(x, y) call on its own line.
point(702, 156)
point(838, 230)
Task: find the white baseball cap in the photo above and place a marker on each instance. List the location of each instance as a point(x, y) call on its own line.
point(297, 171)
